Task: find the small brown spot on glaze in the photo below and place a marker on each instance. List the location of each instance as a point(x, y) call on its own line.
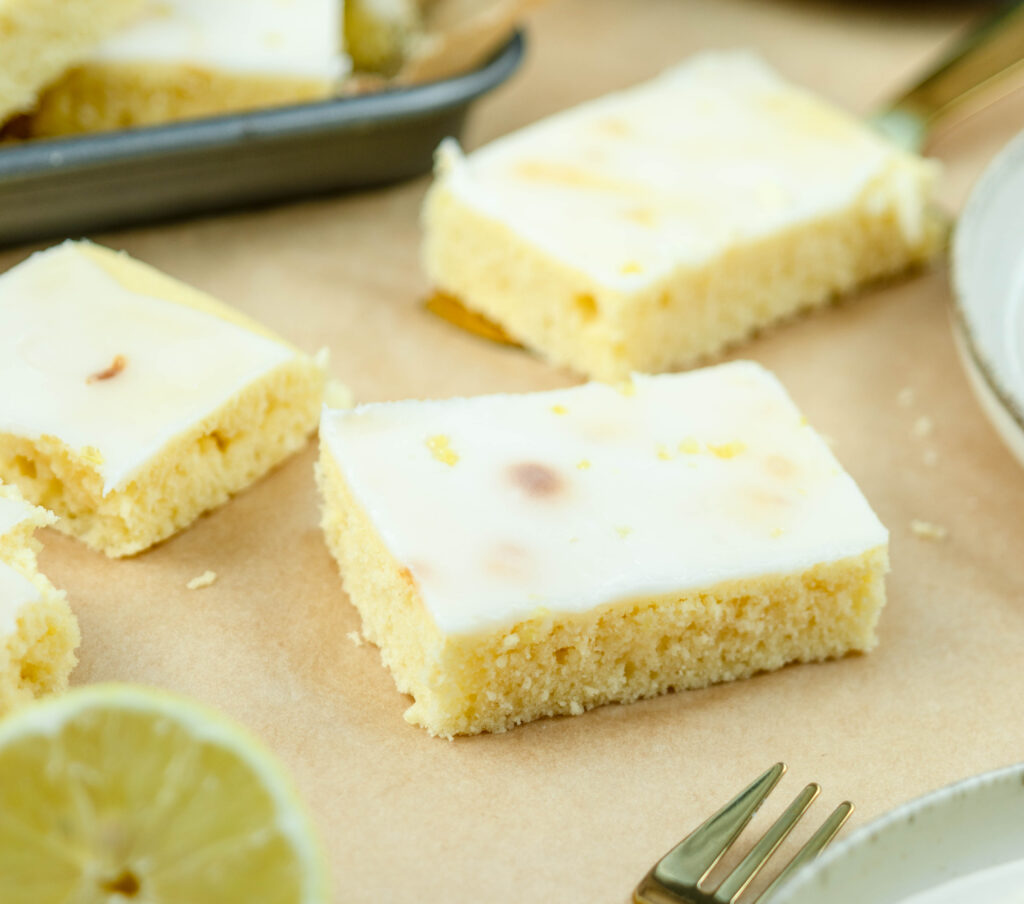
point(508, 560)
point(536, 480)
point(116, 366)
point(780, 467)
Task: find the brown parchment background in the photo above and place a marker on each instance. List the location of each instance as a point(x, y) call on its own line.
point(576, 809)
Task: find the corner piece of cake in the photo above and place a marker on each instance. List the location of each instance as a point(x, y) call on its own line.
point(140, 402)
point(519, 556)
point(192, 58)
point(38, 632)
point(40, 39)
point(647, 230)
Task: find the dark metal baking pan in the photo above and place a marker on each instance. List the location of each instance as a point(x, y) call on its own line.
point(64, 187)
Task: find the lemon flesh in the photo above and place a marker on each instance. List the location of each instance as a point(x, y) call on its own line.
point(116, 794)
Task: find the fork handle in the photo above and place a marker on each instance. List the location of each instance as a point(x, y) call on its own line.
point(986, 54)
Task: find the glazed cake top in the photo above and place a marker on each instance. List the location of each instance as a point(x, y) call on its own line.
point(503, 506)
point(716, 151)
point(299, 38)
point(112, 373)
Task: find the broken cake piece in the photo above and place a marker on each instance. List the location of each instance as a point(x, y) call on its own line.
point(647, 230)
point(141, 402)
point(38, 632)
point(519, 556)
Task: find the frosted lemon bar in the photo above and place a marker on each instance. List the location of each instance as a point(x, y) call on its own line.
point(648, 229)
point(139, 402)
point(38, 633)
point(523, 556)
point(191, 58)
point(39, 39)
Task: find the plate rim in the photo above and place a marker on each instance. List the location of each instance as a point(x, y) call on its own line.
point(905, 812)
point(1011, 403)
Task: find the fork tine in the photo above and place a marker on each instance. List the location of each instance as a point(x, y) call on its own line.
point(695, 856)
point(734, 884)
point(815, 845)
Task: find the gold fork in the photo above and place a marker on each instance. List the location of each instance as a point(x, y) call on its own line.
point(676, 878)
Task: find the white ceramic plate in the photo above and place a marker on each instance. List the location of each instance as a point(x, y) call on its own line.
point(988, 285)
point(952, 838)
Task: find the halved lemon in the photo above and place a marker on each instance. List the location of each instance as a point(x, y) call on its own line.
point(114, 794)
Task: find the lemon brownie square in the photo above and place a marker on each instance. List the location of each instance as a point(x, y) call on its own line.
point(140, 402)
point(519, 556)
point(38, 632)
point(191, 58)
point(40, 39)
point(646, 230)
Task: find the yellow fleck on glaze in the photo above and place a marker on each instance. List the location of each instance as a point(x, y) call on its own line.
point(559, 409)
point(441, 449)
point(727, 450)
point(631, 267)
point(583, 464)
point(663, 453)
point(778, 531)
point(626, 387)
point(624, 531)
point(689, 446)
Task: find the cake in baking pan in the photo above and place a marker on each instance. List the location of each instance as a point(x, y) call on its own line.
point(519, 556)
point(38, 632)
point(647, 230)
point(191, 58)
point(142, 402)
point(40, 39)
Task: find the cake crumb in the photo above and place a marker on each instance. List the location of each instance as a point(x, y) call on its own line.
point(930, 457)
point(576, 708)
point(119, 363)
point(203, 580)
point(355, 637)
point(928, 531)
point(727, 450)
point(923, 427)
point(905, 397)
point(440, 447)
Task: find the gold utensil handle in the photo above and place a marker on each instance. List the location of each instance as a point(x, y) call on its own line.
point(988, 53)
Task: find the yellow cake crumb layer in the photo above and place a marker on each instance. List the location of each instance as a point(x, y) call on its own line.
point(678, 320)
point(96, 97)
point(199, 470)
point(40, 39)
point(554, 665)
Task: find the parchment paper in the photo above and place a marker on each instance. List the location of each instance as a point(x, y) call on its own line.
point(576, 809)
